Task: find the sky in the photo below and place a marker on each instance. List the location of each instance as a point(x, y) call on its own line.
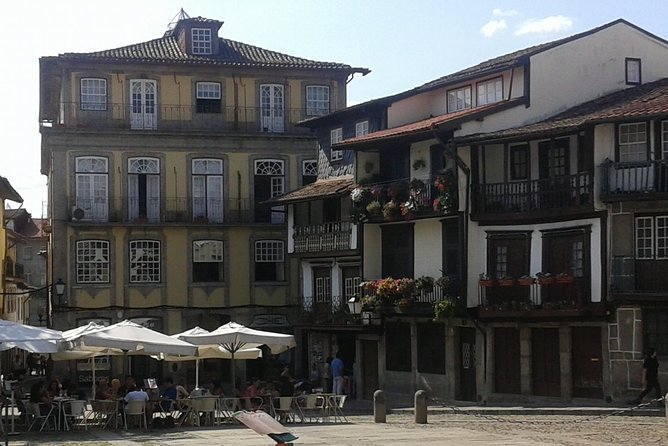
point(405, 43)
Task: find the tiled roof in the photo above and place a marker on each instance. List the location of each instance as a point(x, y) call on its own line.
point(232, 53)
point(330, 187)
point(644, 101)
point(423, 126)
point(7, 192)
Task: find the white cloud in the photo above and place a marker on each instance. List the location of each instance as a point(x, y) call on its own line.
point(500, 13)
point(548, 25)
point(492, 27)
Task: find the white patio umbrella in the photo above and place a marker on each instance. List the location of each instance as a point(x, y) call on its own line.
point(210, 351)
point(234, 337)
point(15, 333)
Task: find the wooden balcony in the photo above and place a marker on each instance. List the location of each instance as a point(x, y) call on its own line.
point(555, 299)
point(168, 118)
point(545, 197)
point(324, 238)
point(639, 280)
point(634, 181)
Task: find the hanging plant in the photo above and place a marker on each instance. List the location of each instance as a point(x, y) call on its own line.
point(419, 164)
point(391, 210)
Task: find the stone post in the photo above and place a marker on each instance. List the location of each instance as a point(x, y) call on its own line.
point(420, 407)
point(665, 403)
point(379, 407)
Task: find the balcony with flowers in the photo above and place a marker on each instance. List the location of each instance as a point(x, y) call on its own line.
point(405, 199)
point(424, 296)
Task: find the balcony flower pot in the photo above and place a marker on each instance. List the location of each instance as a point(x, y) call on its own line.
point(565, 279)
point(486, 283)
point(506, 282)
point(526, 281)
point(545, 278)
point(201, 219)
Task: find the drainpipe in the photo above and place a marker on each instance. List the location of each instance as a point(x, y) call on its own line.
point(451, 151)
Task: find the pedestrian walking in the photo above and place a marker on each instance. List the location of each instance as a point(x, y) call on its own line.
point(650, 375)
point(337, 375)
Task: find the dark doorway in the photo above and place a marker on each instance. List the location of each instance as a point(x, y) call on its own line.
point(369, 369)
point(545, 363)
point(507, 360)
point(587, 362)
point(467, 369)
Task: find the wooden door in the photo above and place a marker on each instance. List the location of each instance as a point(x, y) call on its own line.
point(545, 362)
point(507, 360)
point(369, 369)
point(397, 250)
point(587, 362)
point(467, 365)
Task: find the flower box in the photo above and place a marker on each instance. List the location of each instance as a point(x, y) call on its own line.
point(565, 279)
point(526, 281)
point(486, 283)
point(545, 280)
point(506, 282)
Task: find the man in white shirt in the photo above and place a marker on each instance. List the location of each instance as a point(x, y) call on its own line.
point(135, 394)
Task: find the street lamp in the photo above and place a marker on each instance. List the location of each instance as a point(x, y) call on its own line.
point(41, 311)
point(59, 288)
point(355, 305)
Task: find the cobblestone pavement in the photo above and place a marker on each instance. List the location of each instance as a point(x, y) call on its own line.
point(442, 429)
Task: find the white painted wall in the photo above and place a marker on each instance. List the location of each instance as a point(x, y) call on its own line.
point(372, 252)
point(578, 71)
point(428, 248)
point(421, 151)
point(478, 252)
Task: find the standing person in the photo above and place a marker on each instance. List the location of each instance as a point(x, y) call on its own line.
point(327, 375)
point(650, 375)
point(337, 374)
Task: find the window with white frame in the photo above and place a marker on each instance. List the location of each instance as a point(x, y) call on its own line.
point(269, 182)
point(207, 261)
point(269, 261)
point(501, 261)
point(309, 171)
point(92, 261)
point(91, 182)
point(207, 182)
point(201, 40)
point(351, 286)
point(361, 128)
point(93, 94)
point(336, 136)
point(490, 91)
point(208, 97)
point(323, 285)
point(144, 261)
point(633, 72)
point(317, 100)
point(633, 142)
point(664, 140)
point(652, 237)
point(144, 188)
point(459, 99)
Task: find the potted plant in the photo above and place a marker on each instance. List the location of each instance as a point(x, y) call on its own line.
point(391, 210)
point(443, 308)
point(404, 304)
point(544, 278)
point(485, 281)
point(374, 208)
point(419, 163)
point(444, 282)
point(506, 280)
point(526, 281)
point(564, 278)
point(424, 284)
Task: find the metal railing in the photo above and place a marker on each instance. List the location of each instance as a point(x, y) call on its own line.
point(534, 195)
point(629, 275)
point(628, 178)
point(324, 237)
point(162, 210)
point(168, 117)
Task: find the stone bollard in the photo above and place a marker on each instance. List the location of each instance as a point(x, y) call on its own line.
point(379, 407)
point(420, 407)
point(665, 404)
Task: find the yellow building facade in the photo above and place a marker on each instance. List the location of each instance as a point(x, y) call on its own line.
point(160, 156)
point(11, 305)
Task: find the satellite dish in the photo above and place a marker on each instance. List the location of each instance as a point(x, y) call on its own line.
point(78, 213)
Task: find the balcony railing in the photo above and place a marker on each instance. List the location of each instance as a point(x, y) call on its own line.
point(634, 277)
point(177, 118)
point(633, 180)
point(534, 195)
point(325, 237)
point(162, 210)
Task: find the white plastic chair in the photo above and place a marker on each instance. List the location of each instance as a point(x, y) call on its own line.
point(135, 408)
point(339, 401)
point(35, 409)
point(314, 406)
point(206, 407)
point(75, 414)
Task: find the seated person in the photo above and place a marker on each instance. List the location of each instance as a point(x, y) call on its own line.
point(114, 389)
point(40, 395)
point(169, 394)
point(129, 382)
point(54, 388)
point(102, 392)
point(135, 394)
point(181, 391)
point(217, 388)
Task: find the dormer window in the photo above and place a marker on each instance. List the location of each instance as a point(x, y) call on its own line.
point(459, 99)
point(201, 40)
